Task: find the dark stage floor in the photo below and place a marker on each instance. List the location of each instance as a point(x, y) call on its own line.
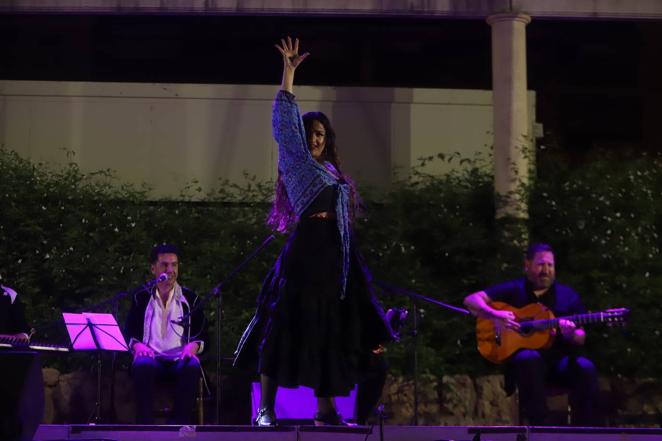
point(304, 433)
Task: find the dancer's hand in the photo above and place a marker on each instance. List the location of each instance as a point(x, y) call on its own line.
point(290, 53)
point(291, 60)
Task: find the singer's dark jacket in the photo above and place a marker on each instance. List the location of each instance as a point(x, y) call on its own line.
point(135, 320)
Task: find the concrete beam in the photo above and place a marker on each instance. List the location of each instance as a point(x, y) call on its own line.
point(479, 9)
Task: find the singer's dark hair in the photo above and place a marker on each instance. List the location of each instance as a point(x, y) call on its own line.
point(163, 248)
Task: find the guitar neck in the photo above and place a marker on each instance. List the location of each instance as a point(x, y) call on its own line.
point(578, 319)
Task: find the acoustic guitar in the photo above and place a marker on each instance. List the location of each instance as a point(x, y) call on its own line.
point(538, 329)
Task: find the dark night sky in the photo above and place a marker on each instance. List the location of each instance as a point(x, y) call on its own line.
point(597, 82)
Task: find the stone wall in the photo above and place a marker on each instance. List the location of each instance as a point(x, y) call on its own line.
point(449, 400)
point(453, 400)
point(462, 400)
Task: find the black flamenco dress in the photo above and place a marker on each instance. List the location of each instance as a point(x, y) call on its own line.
point(303, 332)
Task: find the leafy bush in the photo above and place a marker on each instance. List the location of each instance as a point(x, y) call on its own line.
point(604, 217)
point(71, 239)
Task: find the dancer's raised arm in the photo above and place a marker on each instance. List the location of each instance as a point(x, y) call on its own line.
point(291, 60)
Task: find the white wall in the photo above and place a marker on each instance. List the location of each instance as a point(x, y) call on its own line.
point(167, 134)
point(592, 9)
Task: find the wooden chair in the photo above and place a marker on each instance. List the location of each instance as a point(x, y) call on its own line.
point(163, 402)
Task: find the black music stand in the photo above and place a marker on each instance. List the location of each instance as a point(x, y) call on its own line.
point(95, 332)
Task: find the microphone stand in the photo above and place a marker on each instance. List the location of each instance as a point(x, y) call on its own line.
point(413, 296)
point(217, 292)
point(97, 306)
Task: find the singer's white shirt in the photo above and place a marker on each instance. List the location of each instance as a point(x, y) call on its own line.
point(164, 335)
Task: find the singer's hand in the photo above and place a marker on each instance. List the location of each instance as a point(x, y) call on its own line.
point(189, 351)
point(142, 350)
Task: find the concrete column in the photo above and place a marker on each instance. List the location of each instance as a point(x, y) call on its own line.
point(512, 152)
point(650, 85)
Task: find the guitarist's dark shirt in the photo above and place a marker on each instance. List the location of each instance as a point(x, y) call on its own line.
point(561, 299)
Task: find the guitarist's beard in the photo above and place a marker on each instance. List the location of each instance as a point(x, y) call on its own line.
point(541, 281)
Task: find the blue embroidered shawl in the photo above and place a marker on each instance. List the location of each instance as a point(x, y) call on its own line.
point(304, 178)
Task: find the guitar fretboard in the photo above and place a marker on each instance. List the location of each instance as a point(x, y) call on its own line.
point(580, 319)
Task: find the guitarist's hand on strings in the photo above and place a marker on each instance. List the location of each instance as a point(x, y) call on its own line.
point(505, 319)
point(479, 305)
point(571, 333)
point(567, 328)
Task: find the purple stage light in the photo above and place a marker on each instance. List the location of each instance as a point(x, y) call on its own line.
point(300, 403)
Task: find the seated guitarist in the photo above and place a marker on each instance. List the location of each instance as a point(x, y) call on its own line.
point(12, 316)
point(530, 370)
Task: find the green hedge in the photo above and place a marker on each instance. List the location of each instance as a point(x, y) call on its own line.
point(71, 239)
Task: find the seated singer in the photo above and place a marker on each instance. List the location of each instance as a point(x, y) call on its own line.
point(163, 346)
point(528, 369)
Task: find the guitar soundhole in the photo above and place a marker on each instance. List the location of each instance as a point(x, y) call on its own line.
point(526, 326)
point(526, 331)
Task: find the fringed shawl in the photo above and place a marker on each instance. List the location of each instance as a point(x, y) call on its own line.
point(304, 178)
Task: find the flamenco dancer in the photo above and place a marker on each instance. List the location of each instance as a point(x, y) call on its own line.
point(317, 319)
